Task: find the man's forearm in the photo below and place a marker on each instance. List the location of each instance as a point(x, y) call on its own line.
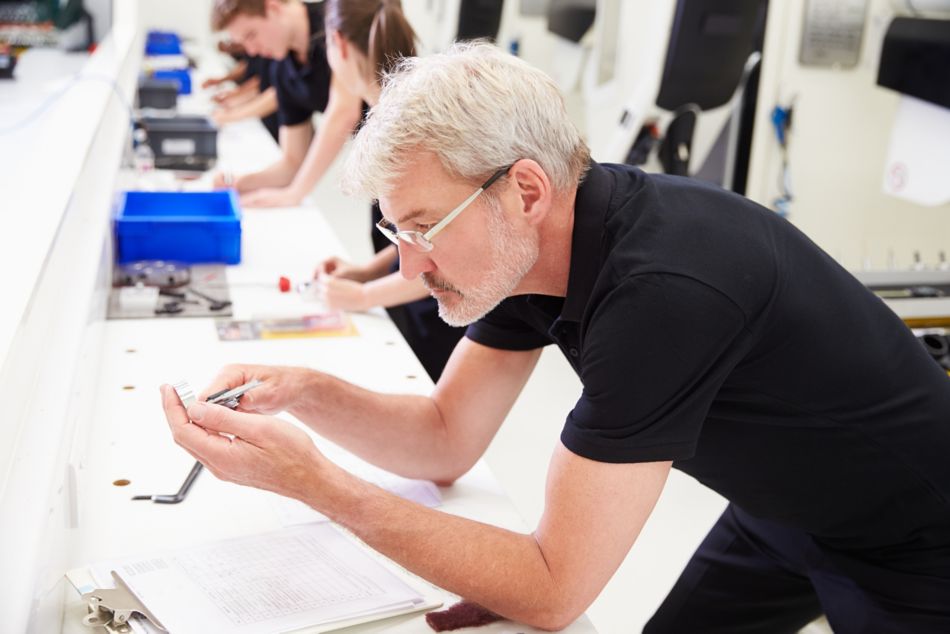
point(504, 571)
point(402, 433)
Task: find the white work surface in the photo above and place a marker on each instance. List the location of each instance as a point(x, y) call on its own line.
point(129, 438)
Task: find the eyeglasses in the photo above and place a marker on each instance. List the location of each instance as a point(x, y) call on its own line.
point(423, 241)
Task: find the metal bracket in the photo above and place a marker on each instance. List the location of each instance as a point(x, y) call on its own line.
point(111, 608)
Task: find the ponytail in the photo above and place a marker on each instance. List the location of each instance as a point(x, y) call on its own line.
point(390, 37)
point(378, 28)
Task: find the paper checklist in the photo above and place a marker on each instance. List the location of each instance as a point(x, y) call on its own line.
point(279, 581)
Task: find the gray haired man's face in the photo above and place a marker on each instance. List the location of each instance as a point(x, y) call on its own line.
point(477, 261)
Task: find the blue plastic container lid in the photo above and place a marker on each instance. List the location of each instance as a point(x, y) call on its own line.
point(162, 43)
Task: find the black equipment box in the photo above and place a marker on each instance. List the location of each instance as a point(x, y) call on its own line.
point(161, 94)
point(182, 142)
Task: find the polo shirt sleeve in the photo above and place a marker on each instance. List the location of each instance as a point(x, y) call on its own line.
point(656, 352)
point(291, 110)
point(503, 329)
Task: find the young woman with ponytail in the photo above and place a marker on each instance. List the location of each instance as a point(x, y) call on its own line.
point(365, 39)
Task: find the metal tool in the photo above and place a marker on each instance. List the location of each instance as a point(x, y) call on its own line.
point(230, 398)
point(226, 398)
point(213, 304)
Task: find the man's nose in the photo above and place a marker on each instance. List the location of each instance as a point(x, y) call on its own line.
point(413, 263)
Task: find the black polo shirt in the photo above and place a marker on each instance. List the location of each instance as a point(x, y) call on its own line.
point(303, 89)
point(708, 331)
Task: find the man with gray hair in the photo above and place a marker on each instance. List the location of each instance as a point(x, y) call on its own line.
point(709, 335)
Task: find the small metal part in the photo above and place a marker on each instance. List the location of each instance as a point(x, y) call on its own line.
point(185, 393)
point(111, 608)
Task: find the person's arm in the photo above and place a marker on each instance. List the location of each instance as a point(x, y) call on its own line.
point(240, 95)
point(236, 72)
point(259, 107)
point(337, 124)
point(593, 514)
point(294, 141)
point(437, 437)
point(380, 265)
point(348, 286)
point(392, 290)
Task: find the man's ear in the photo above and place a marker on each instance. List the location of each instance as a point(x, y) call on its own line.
point(534, 188)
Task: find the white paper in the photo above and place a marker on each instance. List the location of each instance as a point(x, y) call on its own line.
point(918, 160)
point(269, 583)
point(291, 512)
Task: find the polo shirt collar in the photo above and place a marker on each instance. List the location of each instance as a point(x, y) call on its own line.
point(590, 211)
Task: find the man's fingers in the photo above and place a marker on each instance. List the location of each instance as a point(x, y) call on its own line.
point(228, 378)
point(174, 410)
point(195, 440)
point(222, 420)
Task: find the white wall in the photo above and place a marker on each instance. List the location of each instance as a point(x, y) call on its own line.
point(189, 18)
point(838, 144)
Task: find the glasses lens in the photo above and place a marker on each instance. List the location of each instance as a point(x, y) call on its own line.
point(387, 231)
point(416, 240)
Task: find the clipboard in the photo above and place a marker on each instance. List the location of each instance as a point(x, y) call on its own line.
point(114, 610)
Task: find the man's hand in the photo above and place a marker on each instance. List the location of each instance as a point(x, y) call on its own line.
point(265, 452)
point(280, 386)
point(271, 197)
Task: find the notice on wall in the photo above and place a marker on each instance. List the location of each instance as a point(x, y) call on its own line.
point(918, 158)
point(832, 32)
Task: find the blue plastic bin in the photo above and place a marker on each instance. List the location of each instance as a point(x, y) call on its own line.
point(181, 75)
point(194, 227)
point(162, 43)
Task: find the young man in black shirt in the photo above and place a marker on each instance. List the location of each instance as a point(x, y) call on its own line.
point(290, 32)
point(709, 334)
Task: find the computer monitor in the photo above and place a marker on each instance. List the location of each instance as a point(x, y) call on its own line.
point(710, 42)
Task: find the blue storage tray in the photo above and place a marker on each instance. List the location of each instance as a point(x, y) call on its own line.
point(194, 227)
point(162, 43)
point(182, 76)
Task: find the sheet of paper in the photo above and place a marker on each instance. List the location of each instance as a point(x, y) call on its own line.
point(291, 512)
point(274, 582)
point(918, 158)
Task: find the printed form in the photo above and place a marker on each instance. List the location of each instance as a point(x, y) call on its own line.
point(280, 581)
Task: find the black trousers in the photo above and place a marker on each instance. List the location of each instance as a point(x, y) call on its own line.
point(753, 576)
